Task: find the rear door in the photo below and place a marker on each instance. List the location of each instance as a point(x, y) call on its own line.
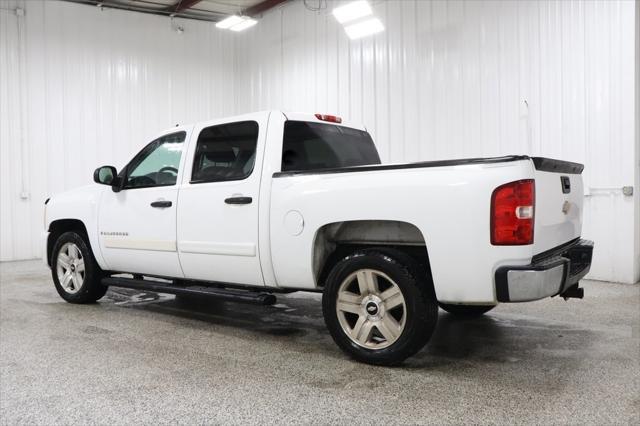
point(559, 198)
point(218, 202)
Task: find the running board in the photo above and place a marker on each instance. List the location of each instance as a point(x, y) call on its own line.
point(231, 295)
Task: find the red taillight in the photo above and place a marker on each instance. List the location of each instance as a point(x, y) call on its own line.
point(329, 118)
point(512, 210)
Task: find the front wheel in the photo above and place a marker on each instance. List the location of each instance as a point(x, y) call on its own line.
point(379, 306)
point(469, 311)
point(75, 272)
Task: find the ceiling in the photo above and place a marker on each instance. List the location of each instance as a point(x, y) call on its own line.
point(208, 10)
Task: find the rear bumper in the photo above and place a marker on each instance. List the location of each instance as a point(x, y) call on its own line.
point(549, 274)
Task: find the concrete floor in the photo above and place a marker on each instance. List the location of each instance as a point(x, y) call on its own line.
point(151, 358)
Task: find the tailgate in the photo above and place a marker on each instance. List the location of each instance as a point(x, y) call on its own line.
point(559, 196)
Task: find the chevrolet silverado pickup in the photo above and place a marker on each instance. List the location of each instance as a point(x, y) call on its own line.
point(247, 207)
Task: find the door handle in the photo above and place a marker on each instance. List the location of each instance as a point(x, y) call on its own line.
point(238, 200)
point(161, 204)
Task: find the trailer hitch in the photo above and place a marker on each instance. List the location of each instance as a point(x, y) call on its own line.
point(573, 292)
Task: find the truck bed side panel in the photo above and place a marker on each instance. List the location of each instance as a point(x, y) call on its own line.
point(450, 205)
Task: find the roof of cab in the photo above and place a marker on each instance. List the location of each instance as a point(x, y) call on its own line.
point(289, 115)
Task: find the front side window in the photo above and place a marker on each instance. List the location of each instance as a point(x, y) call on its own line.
point(157, 164)
point(314, 146)
point(225, 152)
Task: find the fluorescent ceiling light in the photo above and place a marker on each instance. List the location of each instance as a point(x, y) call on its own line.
point(351, 11)
point(365, 28)
point(229, 22)
point(246, 23)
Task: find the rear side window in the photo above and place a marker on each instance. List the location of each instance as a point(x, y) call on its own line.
point(314, 146)
point(225, 152)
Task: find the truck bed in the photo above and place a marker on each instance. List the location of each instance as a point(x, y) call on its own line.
point(449, 205)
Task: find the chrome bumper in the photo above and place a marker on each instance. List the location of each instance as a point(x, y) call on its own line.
point(549, 274)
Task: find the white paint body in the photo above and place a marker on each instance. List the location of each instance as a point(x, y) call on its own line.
point(270, 242)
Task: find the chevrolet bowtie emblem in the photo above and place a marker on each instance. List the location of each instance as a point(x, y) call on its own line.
point(565, 207)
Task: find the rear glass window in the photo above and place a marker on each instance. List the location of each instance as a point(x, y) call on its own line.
point(314, 146)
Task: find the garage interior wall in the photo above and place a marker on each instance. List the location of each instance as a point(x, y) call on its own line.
point(446, 79)
point(451, 79)
point(82, 87)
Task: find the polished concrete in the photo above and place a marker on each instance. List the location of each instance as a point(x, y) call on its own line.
point(151, 358)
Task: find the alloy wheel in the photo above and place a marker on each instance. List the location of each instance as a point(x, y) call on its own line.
point(70, 268)
point(371, 309)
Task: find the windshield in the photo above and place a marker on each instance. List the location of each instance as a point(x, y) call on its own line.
point(314, 146)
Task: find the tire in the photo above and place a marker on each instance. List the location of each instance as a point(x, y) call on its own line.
point(372, 323)
point(466, 311)
point(79, 280)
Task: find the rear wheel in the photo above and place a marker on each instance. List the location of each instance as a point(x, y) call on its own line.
point(75, 272)
point(468, 311)
point(379, 307)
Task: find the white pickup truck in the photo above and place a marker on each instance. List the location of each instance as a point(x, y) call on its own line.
point(271, 202)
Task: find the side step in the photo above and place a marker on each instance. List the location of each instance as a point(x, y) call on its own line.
point(232, 295)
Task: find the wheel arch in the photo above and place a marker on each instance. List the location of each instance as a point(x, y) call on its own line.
point(336, 240)
point(59, 227)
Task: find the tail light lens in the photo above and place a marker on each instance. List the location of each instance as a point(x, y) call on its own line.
point(512, 211)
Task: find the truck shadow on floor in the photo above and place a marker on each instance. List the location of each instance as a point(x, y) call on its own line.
point(492, 338)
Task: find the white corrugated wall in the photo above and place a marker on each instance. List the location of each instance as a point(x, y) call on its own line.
point(446, 79)
point(82, 87)
point(454, 79)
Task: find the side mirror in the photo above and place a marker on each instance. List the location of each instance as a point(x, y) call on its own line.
point(105, 175)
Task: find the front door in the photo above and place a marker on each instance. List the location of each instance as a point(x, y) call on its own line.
point(218, 204)
point(137, 226)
